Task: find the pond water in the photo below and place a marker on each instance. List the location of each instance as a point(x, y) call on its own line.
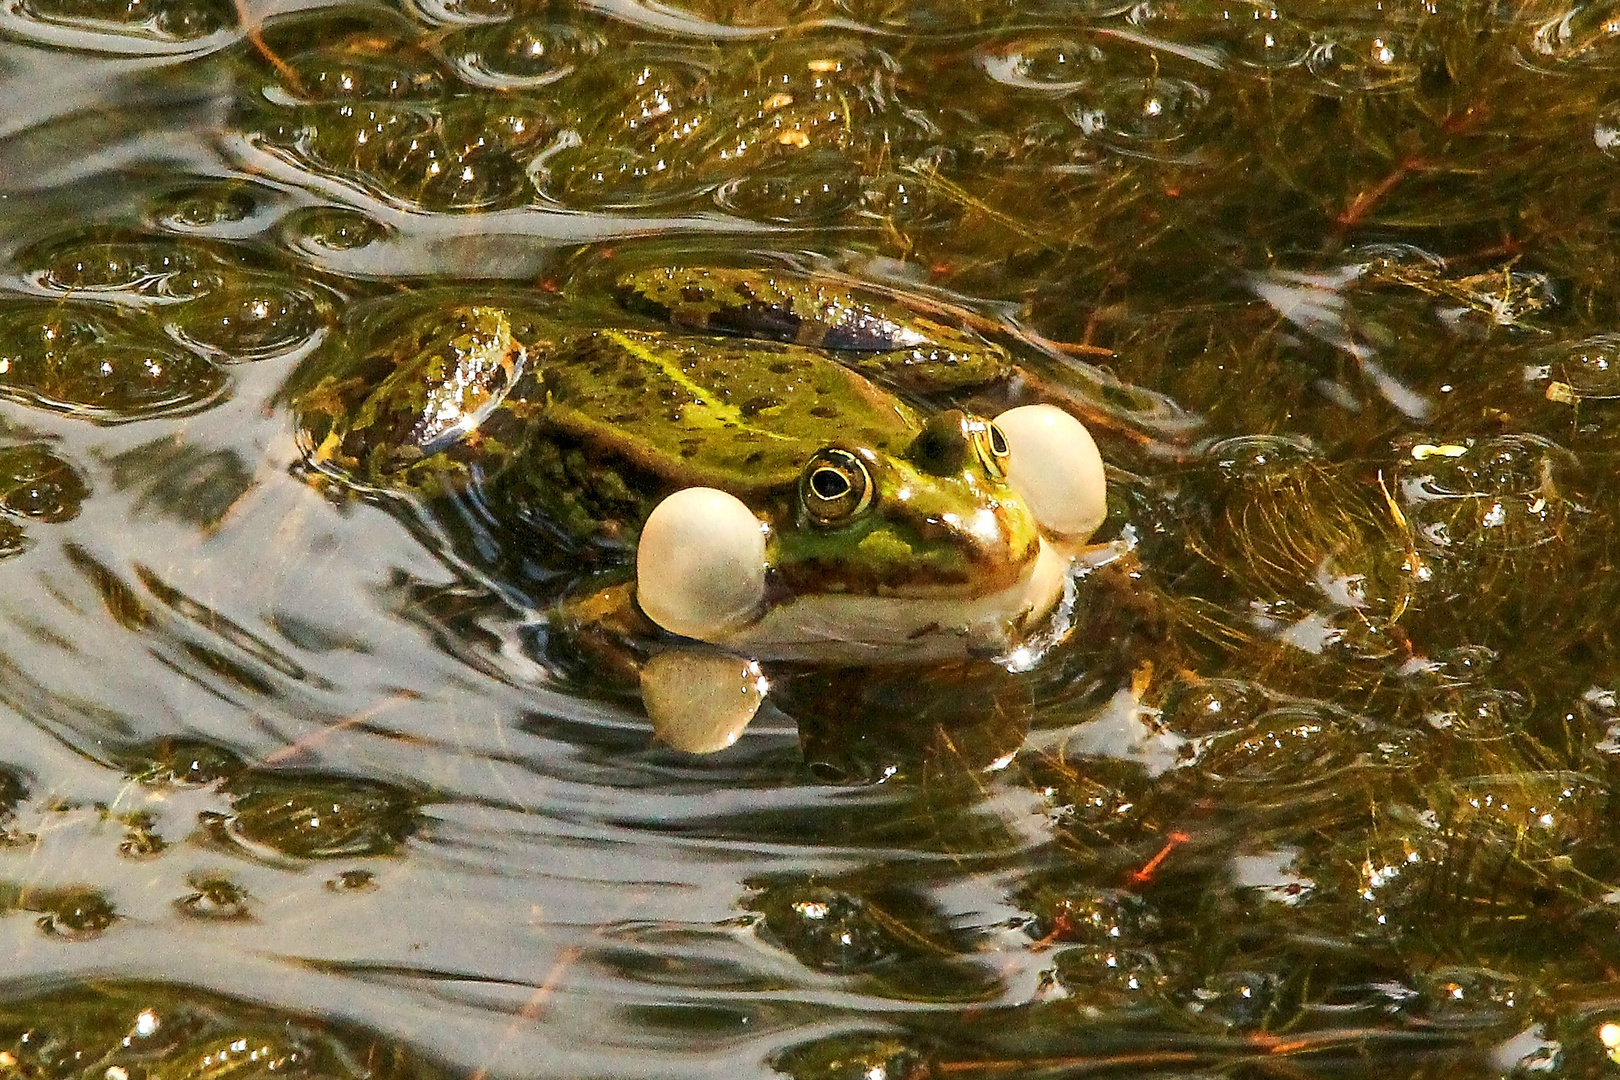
point(300, 778)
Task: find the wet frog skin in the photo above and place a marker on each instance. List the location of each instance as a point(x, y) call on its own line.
point(884, 339)
point(786, 495)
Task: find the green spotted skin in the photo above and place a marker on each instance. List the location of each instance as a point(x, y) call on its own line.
point(883, 338)
point(386, 414)
point(742, 416)
point(591, 427)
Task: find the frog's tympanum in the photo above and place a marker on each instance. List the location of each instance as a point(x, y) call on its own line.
point(767, 456)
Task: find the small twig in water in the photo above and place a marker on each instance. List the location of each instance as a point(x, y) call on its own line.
point(537, 1002)
point(315, 738)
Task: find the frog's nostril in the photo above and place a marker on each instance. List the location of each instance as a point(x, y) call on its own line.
point(943, 445)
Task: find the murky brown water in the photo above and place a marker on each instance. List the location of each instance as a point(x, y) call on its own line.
point(300, 781)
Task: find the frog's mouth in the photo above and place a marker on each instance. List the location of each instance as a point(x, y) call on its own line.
point(857, 629)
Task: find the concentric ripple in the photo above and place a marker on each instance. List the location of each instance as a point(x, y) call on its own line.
point(123, 27)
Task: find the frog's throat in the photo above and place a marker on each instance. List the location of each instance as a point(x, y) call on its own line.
point(853, 629)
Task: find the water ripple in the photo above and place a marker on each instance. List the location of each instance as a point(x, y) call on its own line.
point(166, 28)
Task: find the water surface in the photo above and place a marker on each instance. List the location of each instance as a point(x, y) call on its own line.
point(298, 781)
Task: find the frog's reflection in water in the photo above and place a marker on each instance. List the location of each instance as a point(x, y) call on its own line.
point(876, 724)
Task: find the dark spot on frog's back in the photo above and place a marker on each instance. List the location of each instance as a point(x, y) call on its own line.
point(824, 412)
point(762, 322)
point(756, 405)
point(632, 381)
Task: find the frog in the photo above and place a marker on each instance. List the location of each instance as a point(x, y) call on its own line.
point(778, 463)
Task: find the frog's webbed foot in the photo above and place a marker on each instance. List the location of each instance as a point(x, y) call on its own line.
point(700, 702)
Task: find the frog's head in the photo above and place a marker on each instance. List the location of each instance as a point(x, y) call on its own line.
point(937, 520)
point(953, 545)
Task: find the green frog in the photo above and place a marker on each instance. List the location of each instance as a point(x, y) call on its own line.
point(767, 460)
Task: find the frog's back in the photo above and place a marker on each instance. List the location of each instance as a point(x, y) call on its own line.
point(743, 416)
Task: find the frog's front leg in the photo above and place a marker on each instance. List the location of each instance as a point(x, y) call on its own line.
point(948, 361)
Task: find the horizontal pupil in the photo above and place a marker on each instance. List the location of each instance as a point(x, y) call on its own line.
point(829, 484)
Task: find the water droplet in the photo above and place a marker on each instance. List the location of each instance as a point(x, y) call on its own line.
point(323, 228)
point(439, 176)
point(217, 897)
point(1145, 117)
point(1371, 59)
point(76, 912)
point(318, 817)
point(1590, 367)
point(35, 483)
point(1259, 37)
point(251, 319)
point(204, 207)
point(794, 194)
point(335, 75)
point(522, 54)
point(141, 27)
point(1052, 65)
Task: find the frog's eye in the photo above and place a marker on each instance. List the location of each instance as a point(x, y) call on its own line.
point(994, 450)
point(835, 487)
point(998, 443)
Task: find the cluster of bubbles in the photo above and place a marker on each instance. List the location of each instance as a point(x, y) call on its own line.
point(590, 114)
point(36, 484)
point(595, 114)
point(118, 1030)
point(129, 27)
point(264, 814)
point(116, 329)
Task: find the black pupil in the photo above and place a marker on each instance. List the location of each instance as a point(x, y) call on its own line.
point(829, 483)
point(998, 441)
